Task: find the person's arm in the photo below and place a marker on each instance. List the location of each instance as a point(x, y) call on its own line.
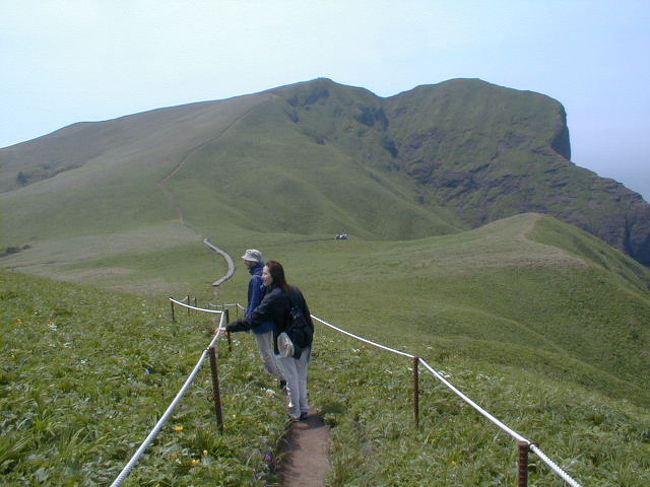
point(263, 313)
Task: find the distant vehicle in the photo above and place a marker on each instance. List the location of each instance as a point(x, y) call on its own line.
point(342, 236)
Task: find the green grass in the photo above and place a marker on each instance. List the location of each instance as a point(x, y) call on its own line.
point(319, 158)
point(86, 373)
point(580, 430)
point(571, 297)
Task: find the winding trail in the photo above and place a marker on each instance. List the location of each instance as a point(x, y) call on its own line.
point(162, 183)
point(305, 445)
point(231, 264)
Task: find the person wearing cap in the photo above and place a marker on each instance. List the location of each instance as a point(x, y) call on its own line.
point(263, 333)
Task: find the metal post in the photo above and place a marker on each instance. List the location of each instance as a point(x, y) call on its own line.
point(215, 388)
point(173, 316)
point(523, 464)
point(416, 391)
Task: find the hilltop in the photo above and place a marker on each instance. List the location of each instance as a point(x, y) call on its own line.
point(322, 158)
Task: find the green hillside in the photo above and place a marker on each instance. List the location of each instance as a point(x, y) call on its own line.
point(530, 281)
point(464, 212)
point(313, 158)
point(517, 324)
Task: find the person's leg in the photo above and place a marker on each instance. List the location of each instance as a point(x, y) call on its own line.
point(265, 345)
point(302, 365)
point(290, 373)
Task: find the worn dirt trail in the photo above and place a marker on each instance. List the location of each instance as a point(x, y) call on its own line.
point(306, 454)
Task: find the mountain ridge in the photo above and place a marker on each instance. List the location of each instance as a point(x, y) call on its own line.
point(452, 155)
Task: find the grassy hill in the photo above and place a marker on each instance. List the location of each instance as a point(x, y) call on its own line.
point(538, 322)
point(320, 158)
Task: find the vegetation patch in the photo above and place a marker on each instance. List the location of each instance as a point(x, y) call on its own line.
point(85, 374)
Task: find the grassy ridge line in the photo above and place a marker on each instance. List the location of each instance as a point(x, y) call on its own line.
point(169, 195)
point(485, 290)
point(478, 289)
point(323, 159)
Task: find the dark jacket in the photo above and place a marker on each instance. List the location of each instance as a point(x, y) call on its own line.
point(274, 307)
point(256, 292)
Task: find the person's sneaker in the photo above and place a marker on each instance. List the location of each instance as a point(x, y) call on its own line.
point(304, 416)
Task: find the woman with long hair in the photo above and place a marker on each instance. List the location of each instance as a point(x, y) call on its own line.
point(276, 306)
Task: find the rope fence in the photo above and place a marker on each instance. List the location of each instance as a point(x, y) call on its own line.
point(208, 352)
point(524, 444)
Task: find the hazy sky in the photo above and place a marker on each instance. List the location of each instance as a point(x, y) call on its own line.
point(67, 61)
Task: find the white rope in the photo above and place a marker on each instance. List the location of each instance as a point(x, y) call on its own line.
point(196, 308)
point(232, 305)
point(553, 465)
point(465, 398)
point(163, 419)
point(501, 425)
point(383, 347)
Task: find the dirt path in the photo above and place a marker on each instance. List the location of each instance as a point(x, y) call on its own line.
point(306, 454)
point(231, 264)
point(163, 182)
point(305, 449)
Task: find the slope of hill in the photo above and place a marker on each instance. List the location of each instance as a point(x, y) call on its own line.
point(544, 287)
point(108, 364)
point(321, 158)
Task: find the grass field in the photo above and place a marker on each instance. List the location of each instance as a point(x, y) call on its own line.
point(538, 322)
point(86, 373)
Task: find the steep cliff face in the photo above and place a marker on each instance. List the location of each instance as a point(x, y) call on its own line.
point(492, 152)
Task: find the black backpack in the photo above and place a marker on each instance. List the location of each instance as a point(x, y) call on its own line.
point(299, 328)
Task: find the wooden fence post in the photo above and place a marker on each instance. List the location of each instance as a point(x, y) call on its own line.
point(173, 316)
point(416, 391)
point(523, 464)
point(226, 313)
point(216, 394)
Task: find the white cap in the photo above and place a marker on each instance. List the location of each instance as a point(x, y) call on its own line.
point(252, 255)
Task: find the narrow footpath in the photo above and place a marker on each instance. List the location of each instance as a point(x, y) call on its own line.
point(305, 459)
point(305, 447)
